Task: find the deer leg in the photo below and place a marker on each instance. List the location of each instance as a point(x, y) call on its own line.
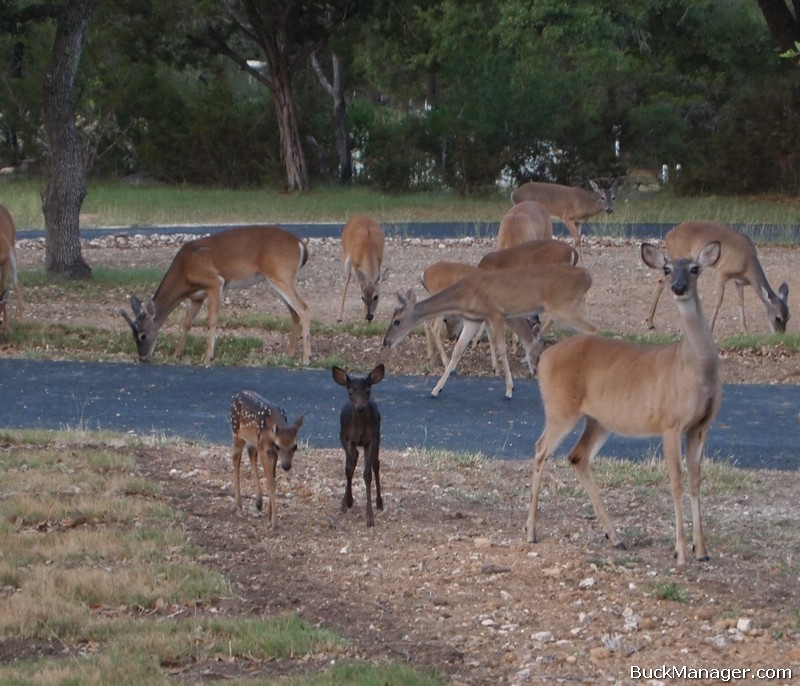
point(214, 300)
point(672, 455)
point(344, 293)
point(270, 461)
point(555, 431)
point(188, 320)
point(252, 453)
point(721, 281)
point(238, 446)
point(740, 292)
point(592, 439)
point(376, 470)
point(351, 460)
point(497, 333)
point(695, 439)
point(368, 457)
point(467, 332)
point(654, 305)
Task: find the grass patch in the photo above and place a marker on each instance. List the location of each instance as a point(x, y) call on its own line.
point(669, 590)
point(749, 342)
point(110, 203)
point(102, 572)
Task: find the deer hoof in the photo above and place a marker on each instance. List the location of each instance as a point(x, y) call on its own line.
point(259, 504)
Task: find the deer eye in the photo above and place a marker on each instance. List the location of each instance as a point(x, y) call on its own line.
point(667, 271)
point(143, 337)
point(695, 269)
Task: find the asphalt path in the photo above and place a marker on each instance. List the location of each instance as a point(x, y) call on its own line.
point(757, 426)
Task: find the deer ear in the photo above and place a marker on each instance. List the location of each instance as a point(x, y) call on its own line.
point(595, 187)
point(377, 374)
point(709, 255)
point(150, 307)
point(299, 422)
point(136, 305)
point(340, 376)
point(652, 256)
point(125, 316)
point(783, 291)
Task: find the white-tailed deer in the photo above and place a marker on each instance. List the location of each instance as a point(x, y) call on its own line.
point(8, 267)
point(204, 268)
point(264, 429)
point(362, 255)
point(525, 221)
point(636, 390)
point(360, 427)
point(505, 296)
point(738, 262)
point(570, 204)
point(533, 253)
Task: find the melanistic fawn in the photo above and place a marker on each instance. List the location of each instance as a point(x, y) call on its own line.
point(360, 427)
point(264, 429)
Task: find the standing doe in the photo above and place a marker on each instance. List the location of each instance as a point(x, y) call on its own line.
point(203, 269)
point(571, 204)
point(360, 427)
point(8, 267)
point(636, 390)
point(738, 262)
point(362, 255)
point(264, 429)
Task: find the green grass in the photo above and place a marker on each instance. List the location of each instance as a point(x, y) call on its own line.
point(113, 204)
point(85, 556)
point(669, 590)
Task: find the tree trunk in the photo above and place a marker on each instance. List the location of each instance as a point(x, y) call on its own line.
point(292, 155)
point(64, 193)
point(340, 128)
point(783, 25)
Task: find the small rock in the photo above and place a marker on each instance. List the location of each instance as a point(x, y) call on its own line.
point(745, 625)
point(543, 637)
point(599, 653)
point(588, 582)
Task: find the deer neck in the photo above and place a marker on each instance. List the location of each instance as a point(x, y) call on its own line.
point(445, 302)
point(171, 291)
point(697, 348)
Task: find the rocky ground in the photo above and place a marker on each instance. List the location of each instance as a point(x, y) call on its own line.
point(444, 579)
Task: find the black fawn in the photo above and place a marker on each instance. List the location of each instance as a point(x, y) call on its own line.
point(360, 427)
point(264, 429)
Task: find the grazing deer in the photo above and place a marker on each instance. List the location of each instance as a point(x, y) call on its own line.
point(264, 429)
point(533, 253)
point(525, 221)
point(498, 297)
point(8, 267)
point(571, 204)
point(636, 390)
point(436, 278)
point(360, 427)
point(362, 254)
point(738, 262)
point(204, 268)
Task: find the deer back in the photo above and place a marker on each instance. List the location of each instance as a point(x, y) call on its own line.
point(531, 254)
point(525, 221)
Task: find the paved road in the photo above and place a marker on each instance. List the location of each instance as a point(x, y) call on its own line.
point(438, 230)
point(757, 426)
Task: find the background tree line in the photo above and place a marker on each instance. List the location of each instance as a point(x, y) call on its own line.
point(400, 94)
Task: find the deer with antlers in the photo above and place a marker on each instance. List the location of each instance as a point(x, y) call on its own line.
point(203, 269)
point(8, 267)
point(738, 262)
point(633, 389)
point(362, 255)
point(570, 204)
point(505, 296)
point(265, 430)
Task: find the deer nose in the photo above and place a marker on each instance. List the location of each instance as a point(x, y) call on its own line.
point(369, 316)
point(680, 288)
point(286, 467)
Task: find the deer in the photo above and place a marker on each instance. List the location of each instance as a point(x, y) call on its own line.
point(525, 221)
point(632, 389)
point(738, 262)
point(263, 427)
point(360, 427)
point(8, 268)
point(571, 204)
point(362, 255)
point(204, 268)
point(499, 297)
point(435, 278)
